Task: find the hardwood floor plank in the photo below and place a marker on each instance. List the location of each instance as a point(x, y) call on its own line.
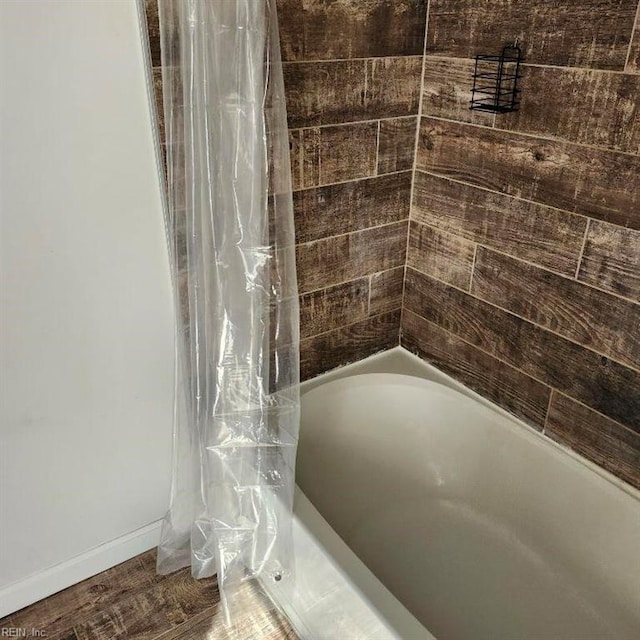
point(441, 255)
point(603, 441)
point(59, 613)
point(507, 387)
point(343, 346)
point(351, 206)
point(315, 29)
point(594, 319)
point(557, 33)
point(597, 381)
point(143, 616)
point(593, 182)
point(255, 619)
point(334, 307)
point(132, 602)
point(396, 145)
point(324, 155)
point(339, 259)
point(611, 259)
point(527, 230)
point(322, 93)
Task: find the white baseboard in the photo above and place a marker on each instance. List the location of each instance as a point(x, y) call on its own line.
point(41, 585)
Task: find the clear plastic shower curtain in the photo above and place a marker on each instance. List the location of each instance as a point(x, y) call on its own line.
point(230, 224)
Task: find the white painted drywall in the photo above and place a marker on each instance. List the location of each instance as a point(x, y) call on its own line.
point(86, 327)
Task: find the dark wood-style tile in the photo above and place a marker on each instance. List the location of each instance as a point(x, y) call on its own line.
point(386, 291)
point(633, 64)
point(603, 441)
point(153, 30)
point(348, 344)
point(611, 259)
point(594, 380)
point(334, 307)
point(325, 155)
point(321, 30)
point(320, 93)
point(580, 33)
point(351, 206)
point(396, 146)
point(330, 261)
point(589, 107)
point(595, 319)
point(507, 387)
point(595, 182)
point(157, 91)
point(527, 230)
point(441, 255)
point(447, 90)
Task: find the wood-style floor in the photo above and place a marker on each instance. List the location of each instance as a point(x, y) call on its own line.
point(131, 602)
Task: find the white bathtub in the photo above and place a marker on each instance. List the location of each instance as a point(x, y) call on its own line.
point(481, 527)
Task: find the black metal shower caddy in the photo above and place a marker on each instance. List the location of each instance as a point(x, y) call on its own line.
point(495, 81)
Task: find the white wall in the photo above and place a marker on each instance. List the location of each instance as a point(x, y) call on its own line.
point(86, 327)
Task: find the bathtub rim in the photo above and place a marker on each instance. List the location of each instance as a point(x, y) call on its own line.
point(398, 392)
point(355, 582)
point(399, 361)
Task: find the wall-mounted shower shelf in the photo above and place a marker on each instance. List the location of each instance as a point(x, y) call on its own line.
point(495, 81)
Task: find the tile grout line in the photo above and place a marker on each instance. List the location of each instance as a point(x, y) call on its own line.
point(313, 292)
point(635, 369)
point(582, 248)
point(528, 375)
point(430, 172)
point(536, 136)
point(377, 172)
point(602, 415)
point(534, 202)
point(414, 163)
point(358, 179)
point(354, 59)
point(352, 122)
point(351, 324)
point(349, 233)
point(572, 279)
point(343, 282)
point(546, 415)
point(636, 25)
point(562, 67)
point(473, 264)
point(482, 350)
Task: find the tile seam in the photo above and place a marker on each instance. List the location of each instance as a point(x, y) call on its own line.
point(484, 245)
point(635, 369)
point(528, 375)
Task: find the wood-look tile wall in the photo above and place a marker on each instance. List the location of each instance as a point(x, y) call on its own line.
point(521, 273)
point(523, 267)
point(352, 77)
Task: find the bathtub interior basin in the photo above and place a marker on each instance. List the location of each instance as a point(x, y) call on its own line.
point(479, 526)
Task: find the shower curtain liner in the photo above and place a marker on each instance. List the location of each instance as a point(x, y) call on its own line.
point(230, 226)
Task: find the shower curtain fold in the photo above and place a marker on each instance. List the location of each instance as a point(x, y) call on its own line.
point(232, 243)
